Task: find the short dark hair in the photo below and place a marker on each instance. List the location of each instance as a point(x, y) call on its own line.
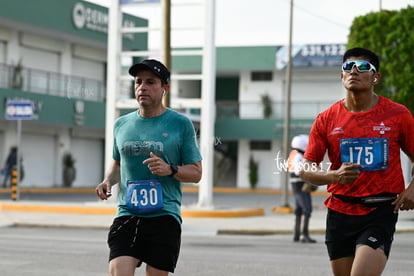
point(365, 53)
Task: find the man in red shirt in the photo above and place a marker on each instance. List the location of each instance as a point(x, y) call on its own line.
point(363, 135)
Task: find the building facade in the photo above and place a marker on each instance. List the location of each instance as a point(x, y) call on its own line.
point(53, 54)
point(250, 104)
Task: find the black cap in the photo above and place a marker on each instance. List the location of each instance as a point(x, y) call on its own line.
point(153, 65)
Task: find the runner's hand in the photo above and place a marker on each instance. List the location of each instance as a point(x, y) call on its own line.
point(347, 173)
point(103, 190)
point(157, 165)
point(405, 200)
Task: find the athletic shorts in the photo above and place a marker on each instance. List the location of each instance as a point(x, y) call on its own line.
point(345, 232)
point(154, 241)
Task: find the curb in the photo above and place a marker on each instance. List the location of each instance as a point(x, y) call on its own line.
point(86, 210)
point(91, 210)
point(243, 212)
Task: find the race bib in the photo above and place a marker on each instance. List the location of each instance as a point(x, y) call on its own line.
point(144, 196)
point(372, 153)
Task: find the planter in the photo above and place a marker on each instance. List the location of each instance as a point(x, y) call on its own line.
point(69, 175)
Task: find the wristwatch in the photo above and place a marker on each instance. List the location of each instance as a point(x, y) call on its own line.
point(174, 169)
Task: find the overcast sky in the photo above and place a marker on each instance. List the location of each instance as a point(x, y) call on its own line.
point(262, 22)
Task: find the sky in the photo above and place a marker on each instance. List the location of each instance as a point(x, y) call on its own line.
point(260, 22)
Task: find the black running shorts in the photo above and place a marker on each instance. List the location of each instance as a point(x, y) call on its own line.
point(154, 241)
point(345, 232)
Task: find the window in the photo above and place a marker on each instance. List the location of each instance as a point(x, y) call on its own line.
point(260, 145)
point(261, 76)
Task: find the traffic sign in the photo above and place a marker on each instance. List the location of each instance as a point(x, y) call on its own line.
point(19, 110)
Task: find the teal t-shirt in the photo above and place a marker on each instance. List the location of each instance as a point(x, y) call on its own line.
point(170, 136)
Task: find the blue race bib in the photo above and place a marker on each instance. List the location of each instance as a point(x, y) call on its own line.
point(371, 153)
point(144, 196)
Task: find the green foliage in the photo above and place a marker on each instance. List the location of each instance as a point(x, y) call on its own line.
point(267, 106)
point(389, 34)
point(253, 172)
point(68, 160)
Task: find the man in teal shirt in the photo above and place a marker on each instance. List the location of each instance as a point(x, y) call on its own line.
point(155, 149)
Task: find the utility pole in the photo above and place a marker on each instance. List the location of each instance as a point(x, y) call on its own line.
point(167, 42)
point(208, 111)
point(286, 131)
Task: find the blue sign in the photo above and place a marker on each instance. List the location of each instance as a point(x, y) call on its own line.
point(19, 110)
point(311, 55)
point(371, 153)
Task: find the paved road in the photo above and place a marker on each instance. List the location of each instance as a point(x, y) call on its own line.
point(266, 201)
point(61, 252)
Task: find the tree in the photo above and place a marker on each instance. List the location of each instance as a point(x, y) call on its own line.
point(390, 35)
point(267, 106)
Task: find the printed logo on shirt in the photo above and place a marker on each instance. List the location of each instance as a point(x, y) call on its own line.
point(337, 130)
point(381, 128)
point(137, 148)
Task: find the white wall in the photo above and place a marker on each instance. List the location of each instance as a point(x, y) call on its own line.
point(88, 62)
point(250, 94)
point(38, 160)
point(40, 52)
point(269, 174)
point(312, 92)
point(89, 157)
point(88, 68)
point(188, 89)
point(2, 51)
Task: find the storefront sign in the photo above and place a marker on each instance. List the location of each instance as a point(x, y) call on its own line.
point(311, 55)
point(85, 17)
point(19, 110)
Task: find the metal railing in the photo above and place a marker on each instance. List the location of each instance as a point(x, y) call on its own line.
point(51, 83)
point(254, 110)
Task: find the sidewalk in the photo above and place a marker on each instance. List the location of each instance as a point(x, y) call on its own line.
point(99, 215)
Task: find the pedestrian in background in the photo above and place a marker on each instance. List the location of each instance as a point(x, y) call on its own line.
point(10, 164)
point(301, 190)
point(155, 149)
point(363, 135)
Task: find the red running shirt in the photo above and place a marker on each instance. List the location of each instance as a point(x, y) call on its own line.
point(386, 120)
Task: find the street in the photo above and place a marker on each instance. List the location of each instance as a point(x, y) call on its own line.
point(221, 200)
point(64, 251)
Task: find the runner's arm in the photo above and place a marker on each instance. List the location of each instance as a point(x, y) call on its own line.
point(185, 173)
point(313, 173)
point(405, 200)
point(189, 173)
point(113, 176)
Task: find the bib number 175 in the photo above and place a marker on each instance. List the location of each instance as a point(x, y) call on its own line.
point(371, 153)
point(361, 155)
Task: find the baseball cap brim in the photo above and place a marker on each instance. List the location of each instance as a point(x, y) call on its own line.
point(151, 65)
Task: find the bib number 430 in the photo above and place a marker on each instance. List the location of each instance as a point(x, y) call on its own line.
point(144, 196)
